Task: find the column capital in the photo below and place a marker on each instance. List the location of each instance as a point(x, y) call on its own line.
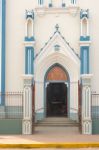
point(86, 79)
point(28, 79)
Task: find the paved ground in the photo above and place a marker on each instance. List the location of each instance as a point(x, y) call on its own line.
point(50, 134)
point(56, 149)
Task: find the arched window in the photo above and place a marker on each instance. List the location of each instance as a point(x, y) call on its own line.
point(40, 2)
point(29, 28)
point(84, 27)
point(73, 1)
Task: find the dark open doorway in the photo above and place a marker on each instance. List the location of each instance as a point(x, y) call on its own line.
point(56, 99)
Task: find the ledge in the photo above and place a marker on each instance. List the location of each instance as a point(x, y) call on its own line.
point(71, 9)
point(29, 39)
point(86, 76)
point(27, 76)
point(84, 38)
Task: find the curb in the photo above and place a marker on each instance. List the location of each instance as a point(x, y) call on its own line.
point(51, 145)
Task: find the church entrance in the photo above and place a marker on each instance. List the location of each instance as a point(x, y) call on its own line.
point(57, 92)
point(56, 99)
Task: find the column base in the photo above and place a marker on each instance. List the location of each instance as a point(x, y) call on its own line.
point(27, 127)
point(87, 127)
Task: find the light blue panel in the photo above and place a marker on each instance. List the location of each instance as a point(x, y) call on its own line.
point(10, 126)
point(39, 116)
point(84, 38)
point(95, 126)
point(95, 119)
point(3, 50)
point(84, 59)
point(95, 112)
point(29, 60)
point(74, 116)
point(29, 39)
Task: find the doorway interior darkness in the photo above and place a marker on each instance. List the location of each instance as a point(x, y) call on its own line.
point(56, 99)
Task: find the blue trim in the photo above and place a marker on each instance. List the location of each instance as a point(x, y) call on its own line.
point(3, 50)
point(68, 102)
point(84, 14)
point(84, 59)
point(29, 60)
point(84, 38)
point(29, 39)
point(29, 14)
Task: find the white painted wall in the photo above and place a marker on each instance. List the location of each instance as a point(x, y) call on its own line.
point(43, 29)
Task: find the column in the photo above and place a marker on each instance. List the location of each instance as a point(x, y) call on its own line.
point(85, 72)
point(29, 60)
point(86, 104)
point(27, 105)
point(29, 42)
point(84, 59)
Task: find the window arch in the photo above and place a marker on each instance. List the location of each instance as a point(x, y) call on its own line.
point(40, 2)
point(29, 28)
point(85, 27)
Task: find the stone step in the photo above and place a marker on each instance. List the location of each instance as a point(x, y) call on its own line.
point(54, 125)
point(58, 122)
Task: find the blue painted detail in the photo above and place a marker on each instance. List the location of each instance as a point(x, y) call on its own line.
point(3, 51)
point(84, 54)
point(29, 60)
point(68, 81)
point(29, 39)
point(84, 38)
point(84, 14)
point(29, 14)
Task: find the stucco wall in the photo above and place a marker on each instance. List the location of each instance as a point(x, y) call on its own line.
point(43, 29)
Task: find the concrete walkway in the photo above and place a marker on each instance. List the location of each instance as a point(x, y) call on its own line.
point(63, 137)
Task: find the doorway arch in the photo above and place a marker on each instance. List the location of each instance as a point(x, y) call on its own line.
point(57, 88)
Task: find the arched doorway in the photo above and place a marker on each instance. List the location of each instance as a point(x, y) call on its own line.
point(57, 89)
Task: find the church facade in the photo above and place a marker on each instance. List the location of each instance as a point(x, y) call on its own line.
point(49, 54)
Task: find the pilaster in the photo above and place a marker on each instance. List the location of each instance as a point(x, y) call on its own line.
point(3, 49)
point(84, 42)
point(86, 104)
point(29, 42)
point(27, 104)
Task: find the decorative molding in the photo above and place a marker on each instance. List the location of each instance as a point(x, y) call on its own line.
point(27, 127)
point(72, 9)
point(84, 43)
point(29, 14)
point(84, 38)
point(86, 104)
point(84, 13)
point(29, 39)
point(87, 127)
point(29, 43)
point(27, 104)
point(57, 36)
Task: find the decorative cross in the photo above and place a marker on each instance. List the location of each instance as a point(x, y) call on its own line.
point(57, 27)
